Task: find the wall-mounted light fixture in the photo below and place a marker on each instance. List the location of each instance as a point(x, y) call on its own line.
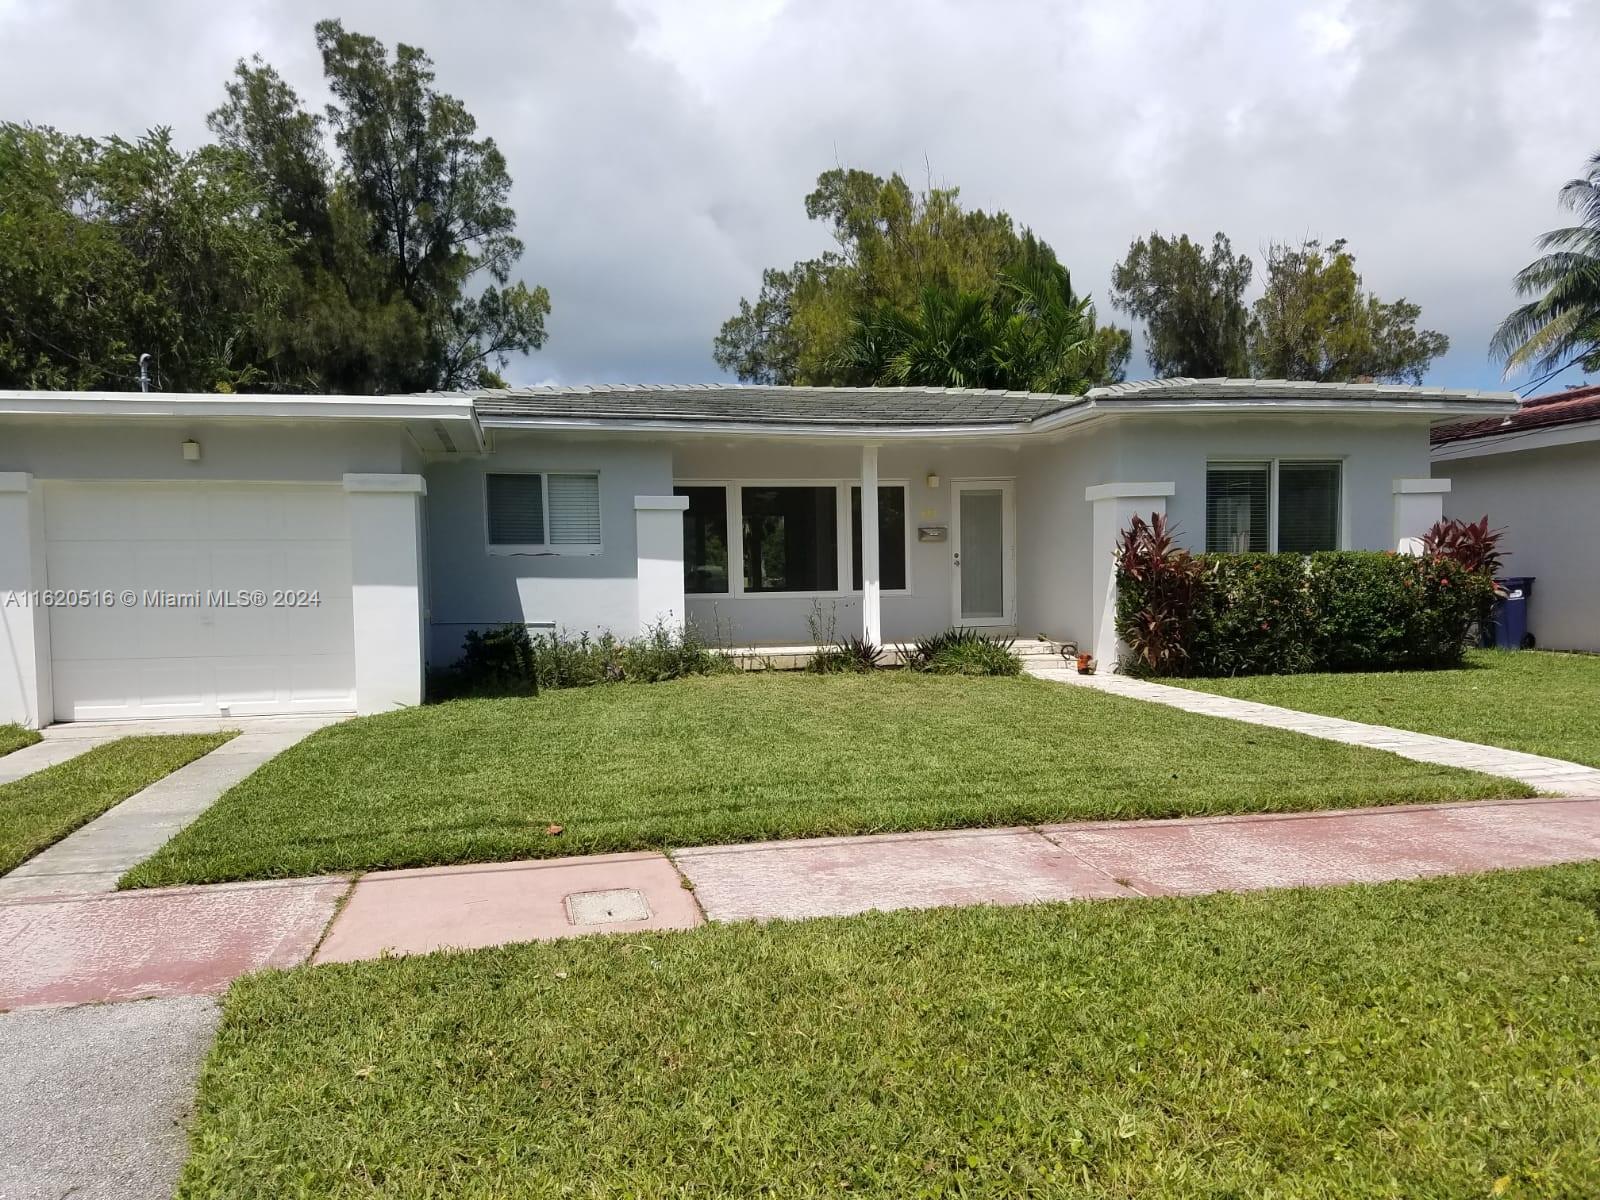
point(191, 450)
point(933, 479)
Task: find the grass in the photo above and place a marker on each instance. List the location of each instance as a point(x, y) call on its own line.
point(742, 758)
point(1417, 1039)
point(15, 737)
point(41, 809)
point(1534, 701)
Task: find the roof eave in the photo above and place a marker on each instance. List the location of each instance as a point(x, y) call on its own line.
point(1510, 440)
point(417, 413)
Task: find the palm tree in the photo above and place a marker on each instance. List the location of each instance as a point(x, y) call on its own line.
point(1561, 326)
point(1030, 333)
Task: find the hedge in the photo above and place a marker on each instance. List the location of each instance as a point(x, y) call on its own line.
point(1254, 614)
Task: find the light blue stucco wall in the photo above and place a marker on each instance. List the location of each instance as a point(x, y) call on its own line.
point(471, 588)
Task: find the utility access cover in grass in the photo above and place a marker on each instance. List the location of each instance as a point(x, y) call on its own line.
point(613, 904)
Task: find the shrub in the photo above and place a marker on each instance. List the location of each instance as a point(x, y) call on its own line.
point(1387, 611)
point(851, 655)
point(1256, 615)
point(508, 661)
point(1158, 597)
point(1472, 544)
point(963, 652)
point(1242, 614)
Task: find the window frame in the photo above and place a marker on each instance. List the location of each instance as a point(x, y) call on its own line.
point(733, 493)
point(546, 548)
point(1273, 462)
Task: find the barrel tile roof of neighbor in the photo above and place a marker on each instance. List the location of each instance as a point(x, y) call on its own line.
point(1567, 407)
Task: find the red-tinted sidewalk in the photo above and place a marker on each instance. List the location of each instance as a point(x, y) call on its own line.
point(195, 940)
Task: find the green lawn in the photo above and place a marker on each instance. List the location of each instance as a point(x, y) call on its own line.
point(15, 737)
point(1431, 1039)
point(737, 758)
point(1534, 701)
point(44, 807)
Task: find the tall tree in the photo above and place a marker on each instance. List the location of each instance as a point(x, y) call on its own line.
point(110, 249)
point(1316, 323)
point(1029, 333)
point(1561, 326)
point(1192, 304)
point(344, 325)
point(417, 208)
point(891, 247)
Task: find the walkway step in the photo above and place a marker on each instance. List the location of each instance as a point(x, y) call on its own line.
point(1551, 775)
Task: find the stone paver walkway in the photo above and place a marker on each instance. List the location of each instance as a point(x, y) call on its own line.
point(92, 859)
point(193, 940)
point(1552, 775)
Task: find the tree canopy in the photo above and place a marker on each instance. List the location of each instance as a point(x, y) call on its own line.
point(1560, 326)
point(110, 248)
point(1315, 322)
point(1192, 304)
point(264, 261)
point(918, 290)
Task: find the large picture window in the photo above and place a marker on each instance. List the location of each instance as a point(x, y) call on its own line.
point(790, 539)
point(1257, 507)
point(758, 539)
point(546, 512)
point(891, 537)
point(1308, 506)
point(705, 540)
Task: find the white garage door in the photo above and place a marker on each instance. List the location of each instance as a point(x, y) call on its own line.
point(177, 600)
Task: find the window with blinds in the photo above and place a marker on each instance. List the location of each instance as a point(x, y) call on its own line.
point(549, 510)
point(1237, 520)
point(1308, 507)
point(574, 507)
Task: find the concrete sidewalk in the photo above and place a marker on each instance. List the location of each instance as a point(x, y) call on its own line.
point(194, 940)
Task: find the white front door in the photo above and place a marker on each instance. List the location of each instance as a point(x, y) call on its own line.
point(202, 599)
point(984, 553)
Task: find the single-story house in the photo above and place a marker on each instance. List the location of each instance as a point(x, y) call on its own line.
point(171, 555)
point(1536, 473)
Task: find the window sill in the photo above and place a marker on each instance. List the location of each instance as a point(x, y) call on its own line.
point(543, 551)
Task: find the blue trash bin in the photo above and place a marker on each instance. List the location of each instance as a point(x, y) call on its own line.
point(1511, 614)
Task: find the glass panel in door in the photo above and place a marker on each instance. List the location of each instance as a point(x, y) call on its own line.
point(983, 540)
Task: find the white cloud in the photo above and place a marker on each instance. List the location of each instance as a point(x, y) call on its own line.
point(661, 148)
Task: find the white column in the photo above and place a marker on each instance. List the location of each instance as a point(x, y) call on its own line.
point(386, 589)
point(24, 623)
point(1115, 506)
point(871, 571)
point(659, 522)
point(1418, 505)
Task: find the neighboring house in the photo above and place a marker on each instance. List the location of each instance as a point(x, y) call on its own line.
point(1536, 472)
point(259, 554)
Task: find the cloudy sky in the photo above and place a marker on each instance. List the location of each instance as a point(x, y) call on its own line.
point(661, 148)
